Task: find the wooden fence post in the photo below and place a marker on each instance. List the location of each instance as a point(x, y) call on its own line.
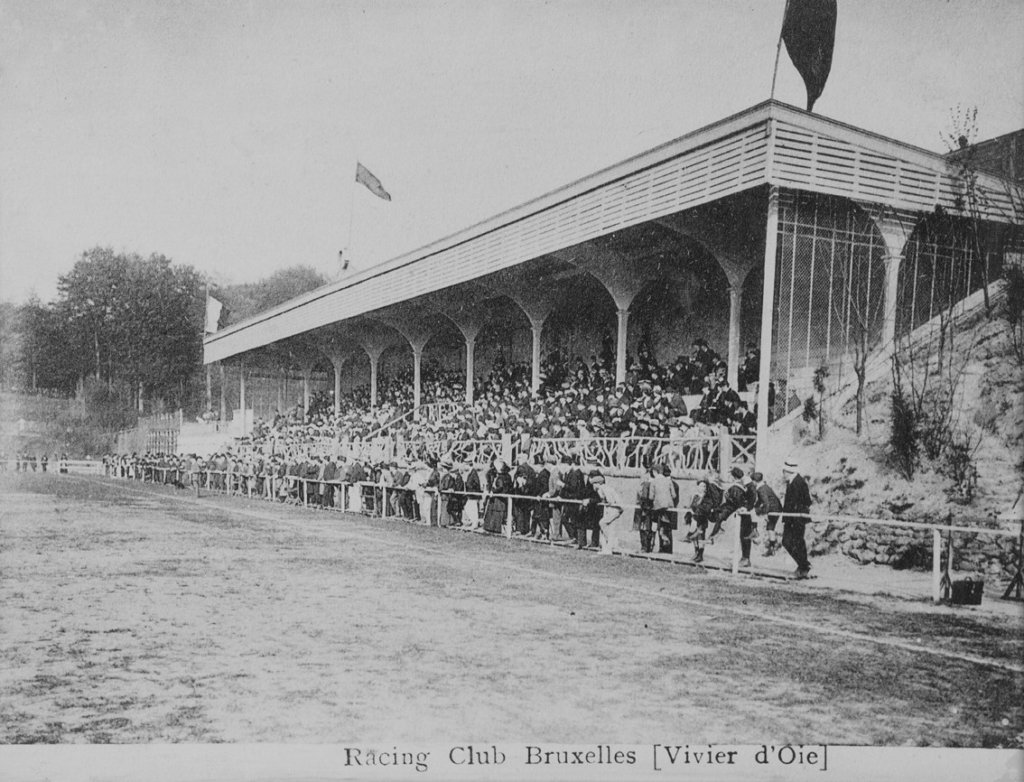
point(724, 454)
point(736, 543)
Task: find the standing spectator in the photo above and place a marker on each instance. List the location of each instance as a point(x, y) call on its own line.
point(609, 508)
point(643, 515)
point(703, 506)
point(329, 485)
point(430, 498)
point(767, 505)
point(797, 501)
point(589, 515)
point(665, 496)
point(556, 472)
point(573, 487)
point(541, 523)
point(43, 461)
point(496, 508)
point(473, 493)
point(454, 501)
point(523, 481)
point(748, 529)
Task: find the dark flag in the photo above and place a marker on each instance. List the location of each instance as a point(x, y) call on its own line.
point(365, 177)
point(809, 31)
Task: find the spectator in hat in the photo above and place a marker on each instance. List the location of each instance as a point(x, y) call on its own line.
point(588, 516)
point(496, 508)
point(453, 501)
point(665, 496)
point(473, 494)
point(644, 513)
point(540, 527)
point(608, 508)
point(751, 369)
point(523, 482)
point(703, 506)
point(797, 502)
point(573, 487)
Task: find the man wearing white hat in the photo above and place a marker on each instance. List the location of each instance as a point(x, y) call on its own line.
point(797, 501)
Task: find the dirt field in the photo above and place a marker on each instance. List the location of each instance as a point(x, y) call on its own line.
point(137, 614)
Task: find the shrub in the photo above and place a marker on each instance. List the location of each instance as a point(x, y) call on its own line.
point(904, 436)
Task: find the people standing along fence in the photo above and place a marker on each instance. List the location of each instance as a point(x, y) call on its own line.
point(191, 471)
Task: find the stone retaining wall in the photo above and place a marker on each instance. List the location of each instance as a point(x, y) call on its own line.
point(903, 548)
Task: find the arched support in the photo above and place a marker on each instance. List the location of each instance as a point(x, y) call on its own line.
point(537, 330)
point(337, 389)
point(337, 363)
point(469, 317)
point(622, 277)
point(417, 363)
point(735, 302)
point(470, 333)
point(895, 231)
point(374, 354)
point(307, 372)
point(417, 332)
point(731, 232)
point(620, 343)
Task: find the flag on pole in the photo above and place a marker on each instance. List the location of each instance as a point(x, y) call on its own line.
point(365, 177)
point(809, 32)
point(214, 308)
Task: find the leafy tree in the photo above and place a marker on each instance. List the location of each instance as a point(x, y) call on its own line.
point(247, 299)
point(133, 320)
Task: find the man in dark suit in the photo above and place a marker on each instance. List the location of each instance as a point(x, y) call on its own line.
point(327, 488)
point(797, 501)
point(768, 506)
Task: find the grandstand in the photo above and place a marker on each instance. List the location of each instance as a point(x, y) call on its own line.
point(806, 241)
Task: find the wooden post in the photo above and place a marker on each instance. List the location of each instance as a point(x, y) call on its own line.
point(736, 544)
point(508, 518)
point(733, 362)
point(1015, 589)
point(537, 329)
point(724, 454)
point(622, 323)
point(771, 239)
point(936, 566)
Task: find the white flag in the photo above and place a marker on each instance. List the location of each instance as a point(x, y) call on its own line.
point(213, 310)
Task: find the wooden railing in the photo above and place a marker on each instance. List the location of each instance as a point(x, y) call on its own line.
point(371, 498)
point(633, 455)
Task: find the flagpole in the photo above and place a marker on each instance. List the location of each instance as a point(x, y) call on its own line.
point(208, 399)
point(347, 259)
point(778, 50)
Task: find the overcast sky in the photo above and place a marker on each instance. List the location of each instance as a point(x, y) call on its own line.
point(224, 134)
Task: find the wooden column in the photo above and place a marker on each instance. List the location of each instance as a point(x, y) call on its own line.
point(771, 240)
point(620, 344)
point(735, 300)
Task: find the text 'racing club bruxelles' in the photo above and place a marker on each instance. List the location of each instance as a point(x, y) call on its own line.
point(662, 756)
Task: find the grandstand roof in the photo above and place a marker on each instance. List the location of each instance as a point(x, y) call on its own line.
point(769, 144)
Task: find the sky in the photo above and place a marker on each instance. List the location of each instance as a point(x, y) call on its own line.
point(225, 134)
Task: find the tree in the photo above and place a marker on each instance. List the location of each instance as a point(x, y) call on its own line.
point(134, 321)
point(247, 299)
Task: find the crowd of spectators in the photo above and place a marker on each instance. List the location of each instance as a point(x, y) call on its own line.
point(542, 497)
point(576, 399)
